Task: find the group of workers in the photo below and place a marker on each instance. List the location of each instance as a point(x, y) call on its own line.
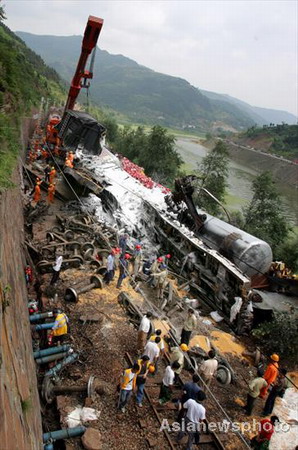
point(273, 379)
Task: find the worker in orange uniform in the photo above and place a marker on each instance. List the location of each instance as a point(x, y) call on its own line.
point(271, 374)
point(70, 156)
point(32, 156)
point(51, 192)
point(68, 163)
point(52, 175)
point(37, 192)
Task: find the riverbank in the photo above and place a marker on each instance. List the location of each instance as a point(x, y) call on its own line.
point(242, 171)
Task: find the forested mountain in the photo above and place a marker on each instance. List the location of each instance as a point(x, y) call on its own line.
point(143, 95)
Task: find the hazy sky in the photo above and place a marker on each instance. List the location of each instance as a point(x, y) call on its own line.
point(247, 49)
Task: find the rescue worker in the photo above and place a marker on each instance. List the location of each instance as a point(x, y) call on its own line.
point(144, 364)
point(117, 257)
point(51, 192)
point(152, 350)
point(262, 440)
point(137, 260)
point(60, 327)
point(208, 368)
point(52, 175)
point(270, 374)
point(161, 279)
point(277, 390)
point(56, 269)
point(37, 192)
point(167, 383)
point(68, 163)
point(123, 243)
point(70, 157)
point(189, 325)
point(255, 387)
point(144, 331)
point(46, 172)
point(155, 268)
point(123, 269)
point(177, 354)
point(195, 414)
point(158, 333)
point(127, 385)
point(109, 275)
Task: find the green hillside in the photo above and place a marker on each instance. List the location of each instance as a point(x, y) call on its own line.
point(143, 95)
point(280, 140)
point(24, 79)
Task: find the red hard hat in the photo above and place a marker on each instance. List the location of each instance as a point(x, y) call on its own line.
point(117, 250)
point(127, 256)
point(160, 259)
point(138, 246)
point(168, 256)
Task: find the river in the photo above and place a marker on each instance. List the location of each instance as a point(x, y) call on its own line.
point(239, 181)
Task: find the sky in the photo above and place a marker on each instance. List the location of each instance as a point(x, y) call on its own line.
point(247, 49)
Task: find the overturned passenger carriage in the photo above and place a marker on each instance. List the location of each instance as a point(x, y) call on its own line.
point(206, 258)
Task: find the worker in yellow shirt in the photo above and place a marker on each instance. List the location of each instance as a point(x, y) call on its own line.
point(127, 385)
point(60, 327)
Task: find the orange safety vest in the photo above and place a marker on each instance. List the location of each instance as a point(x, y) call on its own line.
point(52, 175)
point(68, 163)
point(128, 376)
point(51, 192)
point(36, 197)
point(60, 324)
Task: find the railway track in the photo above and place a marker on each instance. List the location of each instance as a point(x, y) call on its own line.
point(208, 440)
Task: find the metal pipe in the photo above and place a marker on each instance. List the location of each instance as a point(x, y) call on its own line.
point(65, 433)
point(48, 446)
point(44, 326)
point(56, 369)
point(51, 351)
point(46, 359)
point(36, 317)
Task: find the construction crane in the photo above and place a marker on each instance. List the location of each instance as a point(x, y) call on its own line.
point(91, 34)
point(77, 127)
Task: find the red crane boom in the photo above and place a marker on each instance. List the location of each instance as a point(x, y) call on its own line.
point(91, 34)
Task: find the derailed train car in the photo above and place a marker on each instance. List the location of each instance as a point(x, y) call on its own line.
point(215, 278)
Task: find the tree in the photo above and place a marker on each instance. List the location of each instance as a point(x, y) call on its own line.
point(213, 173)
point(288, 252)
point(263, 217)
point(280, 335)
point(2, 13)
point(159, 158)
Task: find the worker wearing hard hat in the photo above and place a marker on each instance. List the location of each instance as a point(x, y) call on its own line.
point(51, 192)
point(161, 279)
point(123, 269)
point(270, 374)
point(60, 327)
point(177, 354)
point(52, 174)
point(37, 192)
point(145, 368)
point(189, 325)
